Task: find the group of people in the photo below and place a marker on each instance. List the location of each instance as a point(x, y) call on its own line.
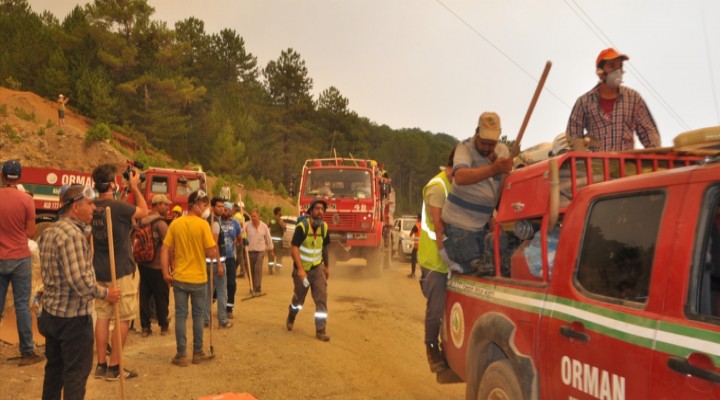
point(457, 212)
point(88, 266)
point(459, 202)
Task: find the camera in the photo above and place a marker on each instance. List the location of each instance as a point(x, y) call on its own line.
point(130, 165)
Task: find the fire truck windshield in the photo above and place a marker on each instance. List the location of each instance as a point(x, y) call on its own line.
point(338, 183)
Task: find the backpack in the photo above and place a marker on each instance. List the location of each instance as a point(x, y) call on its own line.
point(304, 221)
point(145, 241)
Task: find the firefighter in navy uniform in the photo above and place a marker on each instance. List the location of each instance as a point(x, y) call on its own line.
point(311, 267)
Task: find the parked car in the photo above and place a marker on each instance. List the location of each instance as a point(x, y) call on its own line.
point(290, 222)
point(401, 243)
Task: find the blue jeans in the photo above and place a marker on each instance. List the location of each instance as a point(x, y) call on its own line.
point(220, 287)
point(195, 292)
point(465, 247)
point(18, 272)
point(433, 287)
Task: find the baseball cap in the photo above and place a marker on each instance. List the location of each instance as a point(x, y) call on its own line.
point(12, 169)
point(61, 96)
point(177, 209)
point(228, 205)
point(240, 204)
point(609, 54)
point(198, 195)
point(489, 126)
point(160, 198)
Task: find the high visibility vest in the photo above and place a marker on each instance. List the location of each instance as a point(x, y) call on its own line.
point(311, 247)
point(428, 255)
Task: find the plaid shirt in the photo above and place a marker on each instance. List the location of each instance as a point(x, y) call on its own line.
point(67, 271)
point(615, 130)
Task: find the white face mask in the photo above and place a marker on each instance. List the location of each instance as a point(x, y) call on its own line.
point(614, 79)
point(205, 213)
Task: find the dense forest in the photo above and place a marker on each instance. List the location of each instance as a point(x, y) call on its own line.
point(202, 97)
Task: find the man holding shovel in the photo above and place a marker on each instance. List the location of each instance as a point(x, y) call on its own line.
point(69, 291)
point(192, 241)
point(122, 215)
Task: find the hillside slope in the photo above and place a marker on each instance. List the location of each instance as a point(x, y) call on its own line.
point(29, 132)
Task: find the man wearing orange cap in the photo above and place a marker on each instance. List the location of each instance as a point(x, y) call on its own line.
point(611, 113)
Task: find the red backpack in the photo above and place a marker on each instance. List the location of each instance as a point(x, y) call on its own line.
point(145, 241)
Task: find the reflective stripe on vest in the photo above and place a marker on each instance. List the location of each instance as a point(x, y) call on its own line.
point(311, 247)
point(428, 255)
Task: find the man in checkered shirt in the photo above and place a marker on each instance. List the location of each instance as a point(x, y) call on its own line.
point(612, 114)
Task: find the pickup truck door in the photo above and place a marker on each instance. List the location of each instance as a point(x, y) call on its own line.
point(603, 308)
point(687, 358)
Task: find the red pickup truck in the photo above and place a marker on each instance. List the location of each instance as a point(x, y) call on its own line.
point(606, 284)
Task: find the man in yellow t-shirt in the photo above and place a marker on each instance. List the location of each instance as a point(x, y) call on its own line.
point(191, 240)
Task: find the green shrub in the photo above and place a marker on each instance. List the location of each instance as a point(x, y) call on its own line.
point(266, 185)
point(41, 131)
point(11, 83)
point(250, 183)
point(22, 114)
point(60, 132)
point(49, 124)
point(98, 132)
point(281, 190)
point(3, 110)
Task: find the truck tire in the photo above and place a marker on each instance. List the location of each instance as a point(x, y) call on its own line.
point(374, 259)
point(499, 383)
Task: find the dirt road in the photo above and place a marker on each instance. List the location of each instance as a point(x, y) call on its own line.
point(376, 349)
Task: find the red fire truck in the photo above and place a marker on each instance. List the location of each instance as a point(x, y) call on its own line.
point(356, 212)
point(45, 184)
point(606, 283)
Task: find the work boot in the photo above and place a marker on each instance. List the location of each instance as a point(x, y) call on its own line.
point(435, 358)
point(290, 321)
point(322, 336)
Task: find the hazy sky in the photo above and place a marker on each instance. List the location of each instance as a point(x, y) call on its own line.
point(437, 64)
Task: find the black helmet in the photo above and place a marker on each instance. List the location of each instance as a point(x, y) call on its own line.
point(314, 202)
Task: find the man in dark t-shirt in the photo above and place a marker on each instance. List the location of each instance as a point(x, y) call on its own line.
point(122, 214)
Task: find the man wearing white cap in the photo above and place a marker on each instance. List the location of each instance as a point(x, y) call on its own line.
point(612, 114)
point(62, 100)
point(479, 167)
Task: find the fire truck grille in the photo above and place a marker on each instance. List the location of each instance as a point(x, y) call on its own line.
point(344, 221)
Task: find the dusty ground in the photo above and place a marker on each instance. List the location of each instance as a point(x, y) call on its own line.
point(376, 349)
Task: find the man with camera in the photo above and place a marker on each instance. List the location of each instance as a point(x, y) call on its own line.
point(123, 214)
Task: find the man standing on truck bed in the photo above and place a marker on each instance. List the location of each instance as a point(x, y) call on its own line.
point(434, 269)
point(611, 113)
point(123, 214)
point(479, 167)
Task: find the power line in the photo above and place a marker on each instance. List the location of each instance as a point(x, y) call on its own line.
point(597, 31)
point(499, 50)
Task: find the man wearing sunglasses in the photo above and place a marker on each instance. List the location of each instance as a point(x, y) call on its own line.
point(69, 291)
point(610, 113)
point(123, 214)
point(192, 241)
